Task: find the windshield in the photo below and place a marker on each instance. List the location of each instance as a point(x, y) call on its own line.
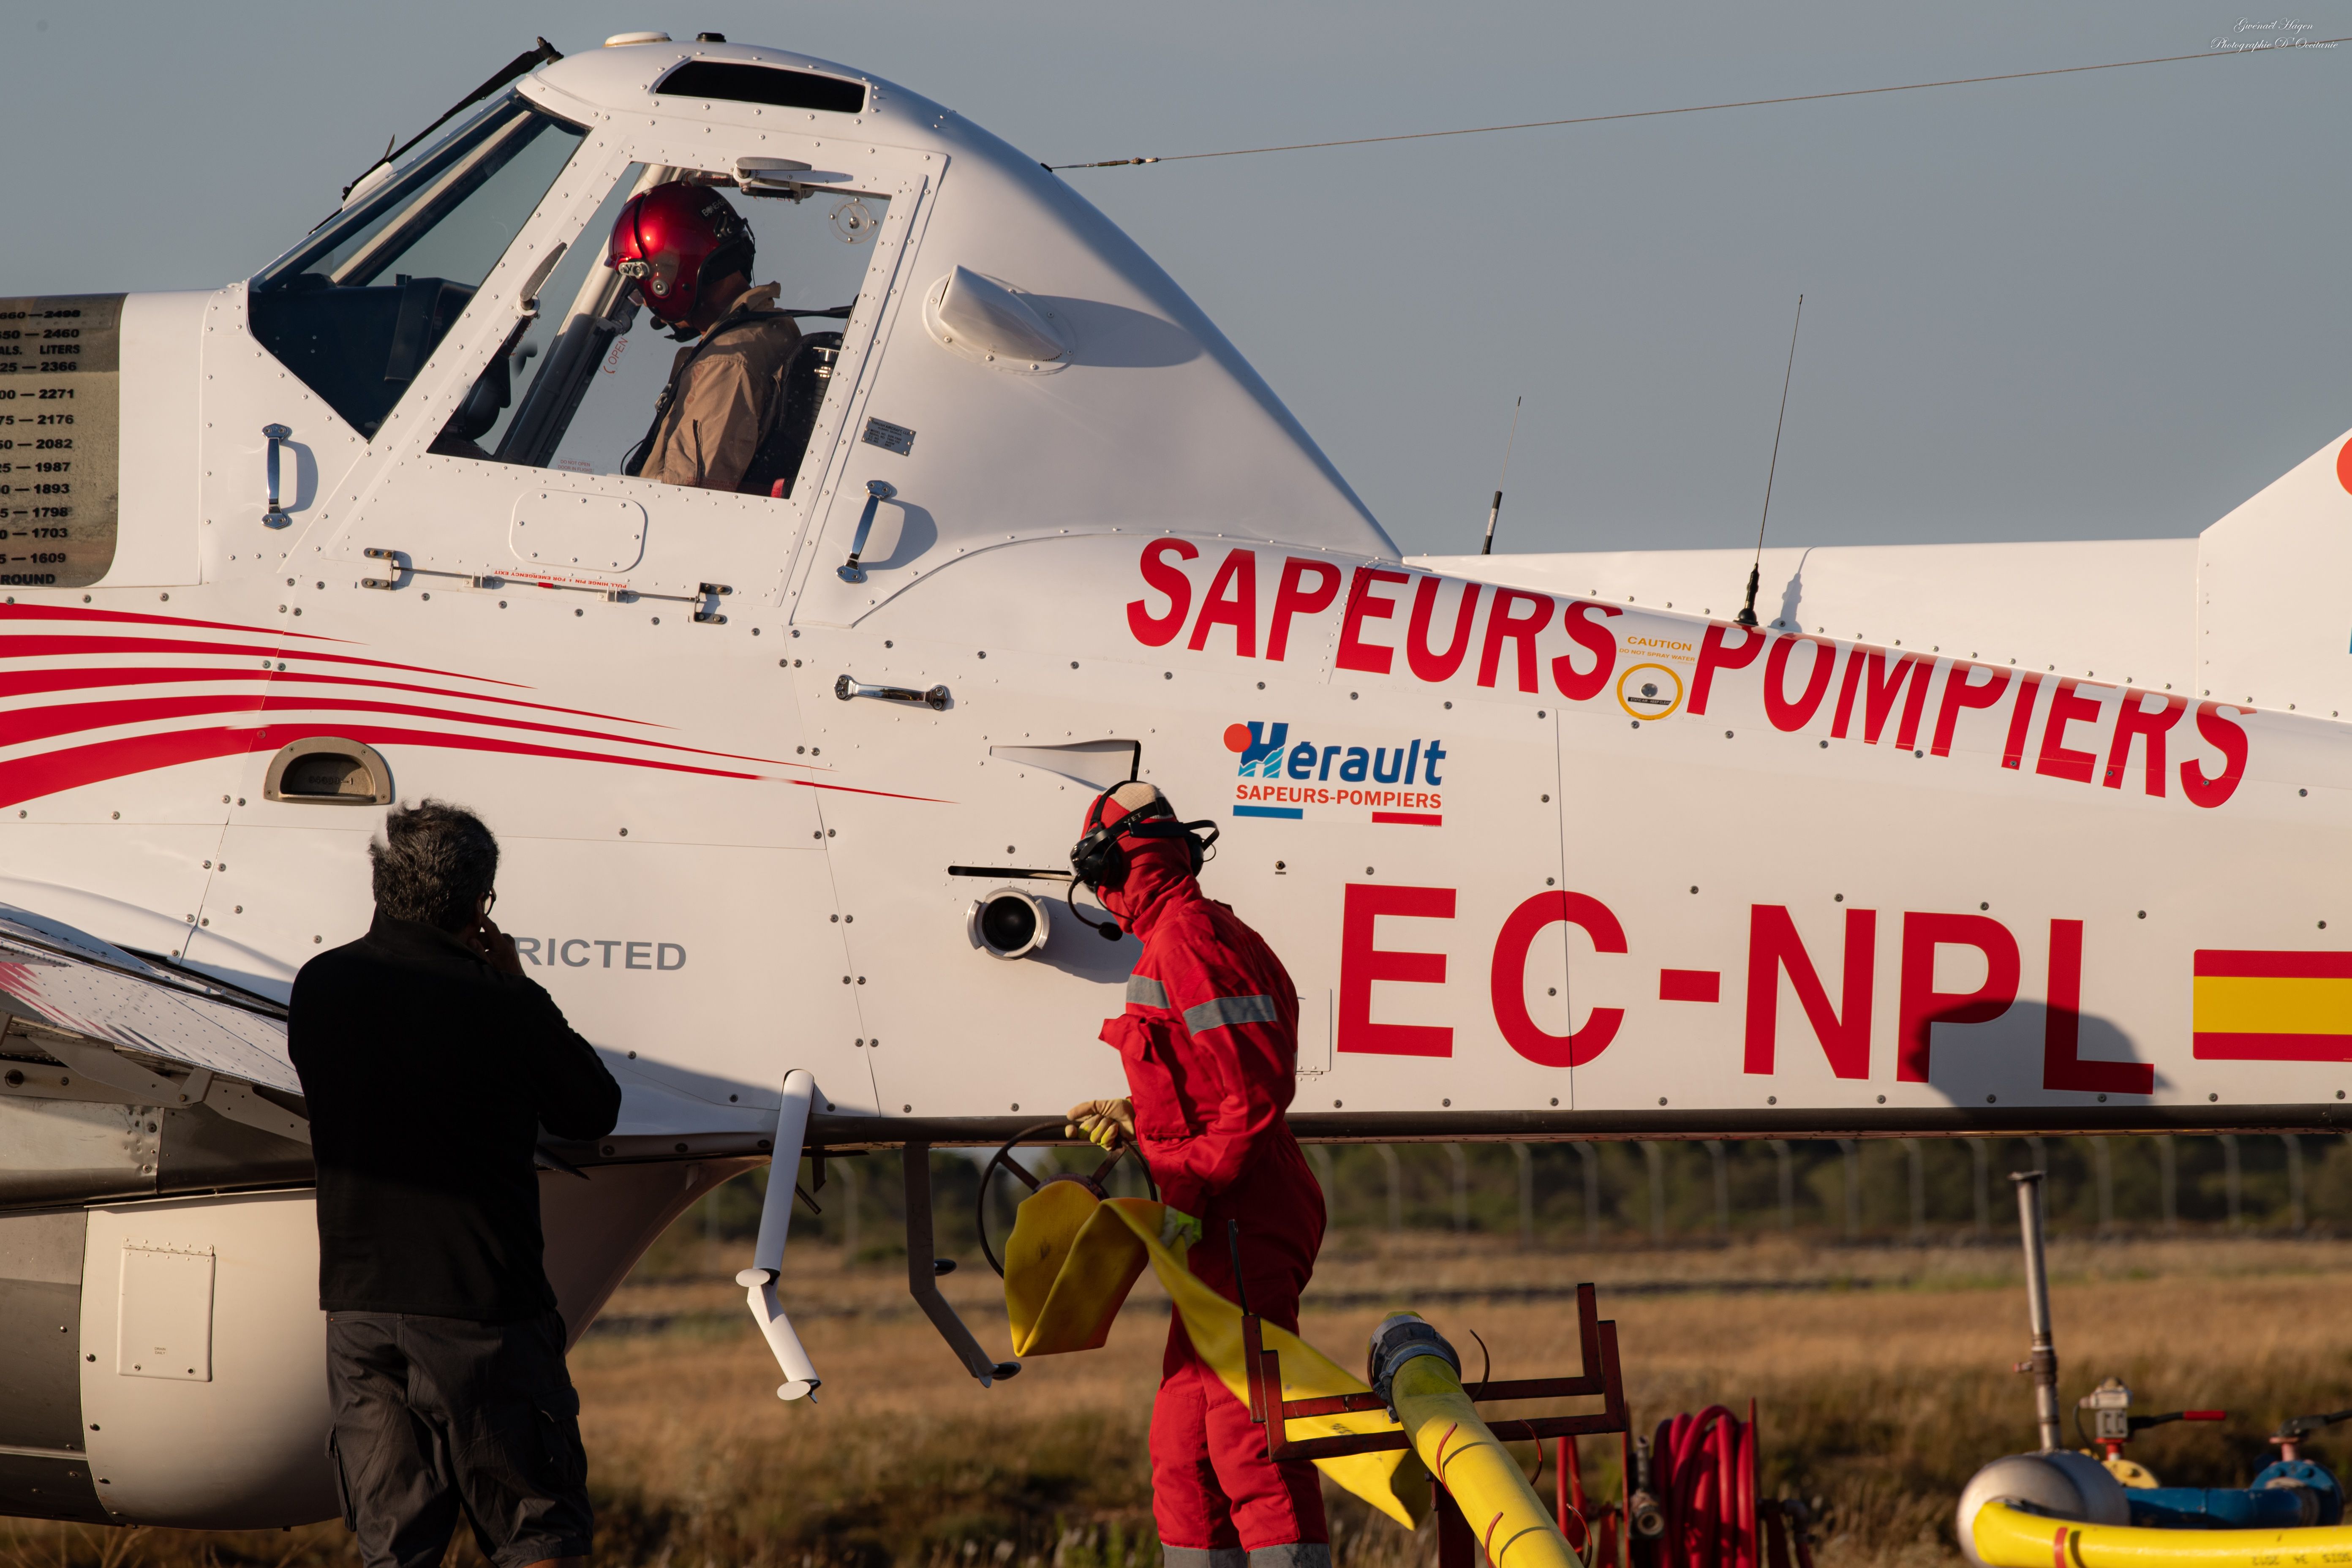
point(357, 308)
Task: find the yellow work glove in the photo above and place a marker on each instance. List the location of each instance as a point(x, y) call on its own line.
point(1178, 1229)
point(1109, 1122)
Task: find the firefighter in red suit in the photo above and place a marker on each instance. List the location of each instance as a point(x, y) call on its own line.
point(1210, 1043)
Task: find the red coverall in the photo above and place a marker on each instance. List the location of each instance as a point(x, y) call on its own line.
point(1210, 1042)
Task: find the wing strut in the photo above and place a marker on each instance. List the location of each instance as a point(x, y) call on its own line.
point(768, 1253)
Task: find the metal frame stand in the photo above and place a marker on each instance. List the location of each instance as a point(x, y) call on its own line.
point(1456, 1547)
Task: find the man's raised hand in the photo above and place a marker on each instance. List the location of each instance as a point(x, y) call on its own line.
point(1108, 1122)
point(496, 945)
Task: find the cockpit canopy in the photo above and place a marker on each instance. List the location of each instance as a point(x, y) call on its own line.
point(945, 288)
point(358, 310)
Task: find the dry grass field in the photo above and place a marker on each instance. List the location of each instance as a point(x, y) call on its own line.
point(1881, 1373)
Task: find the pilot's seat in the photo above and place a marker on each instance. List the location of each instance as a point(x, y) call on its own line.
point(792, 416)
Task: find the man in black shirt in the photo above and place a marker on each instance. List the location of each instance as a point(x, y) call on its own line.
point(430, 1061)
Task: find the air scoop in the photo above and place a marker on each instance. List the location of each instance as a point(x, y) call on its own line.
point(986, 321)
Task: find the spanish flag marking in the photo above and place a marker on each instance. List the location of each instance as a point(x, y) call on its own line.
point(2251, 1006)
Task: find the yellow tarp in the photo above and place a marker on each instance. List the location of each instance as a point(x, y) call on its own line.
point(1070, 1263)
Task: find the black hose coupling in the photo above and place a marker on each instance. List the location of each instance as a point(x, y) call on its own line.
point(1400, 1338)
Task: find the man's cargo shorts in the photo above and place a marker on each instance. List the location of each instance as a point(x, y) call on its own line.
point(439, 1417)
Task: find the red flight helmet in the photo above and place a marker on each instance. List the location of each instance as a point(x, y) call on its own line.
point(675, 239)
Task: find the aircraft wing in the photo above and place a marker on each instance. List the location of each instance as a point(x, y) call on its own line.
point(91, 1002)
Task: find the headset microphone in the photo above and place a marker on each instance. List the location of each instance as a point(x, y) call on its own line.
point(1107, 929)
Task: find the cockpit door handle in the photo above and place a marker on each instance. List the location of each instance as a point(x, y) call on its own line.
point(275, 517)
point(849, 685)
point(876, 492)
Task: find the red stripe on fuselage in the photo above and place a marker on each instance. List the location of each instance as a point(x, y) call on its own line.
point(24, 725)
point(878, 793)
point(134, 618)
point(47, 773)
point(29, 777)
point(34, 682)
point(51, 771)
point(23, 646)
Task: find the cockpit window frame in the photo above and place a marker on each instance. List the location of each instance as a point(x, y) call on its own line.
point(335, 308)
point(365, 264)
point(468, 143)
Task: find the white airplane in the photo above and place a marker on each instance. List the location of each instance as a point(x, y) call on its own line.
point(1966, 839)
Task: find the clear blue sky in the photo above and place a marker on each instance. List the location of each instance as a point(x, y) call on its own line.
point(2088, 306)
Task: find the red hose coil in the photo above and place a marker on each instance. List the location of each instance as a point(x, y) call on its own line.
point(1706, 1486)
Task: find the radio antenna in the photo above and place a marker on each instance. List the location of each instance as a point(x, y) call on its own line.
point(1756, 568)
point(1497, 509)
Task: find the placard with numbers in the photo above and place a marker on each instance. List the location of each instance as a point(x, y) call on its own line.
point(61, 439)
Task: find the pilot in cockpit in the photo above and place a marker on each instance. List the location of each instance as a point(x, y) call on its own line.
point(689, 254)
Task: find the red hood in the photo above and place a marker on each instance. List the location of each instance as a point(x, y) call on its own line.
point(1158, 879)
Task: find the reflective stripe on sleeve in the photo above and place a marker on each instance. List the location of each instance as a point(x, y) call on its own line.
point(1219, 1011)
point(1145, 992)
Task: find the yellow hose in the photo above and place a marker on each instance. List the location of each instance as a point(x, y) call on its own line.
point(1512, 1526)
point(2011, 1538)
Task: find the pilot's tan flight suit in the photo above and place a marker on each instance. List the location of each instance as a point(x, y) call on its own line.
point(720, 394)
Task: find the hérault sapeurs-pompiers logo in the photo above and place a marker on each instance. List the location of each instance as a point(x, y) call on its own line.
point(1313, 776)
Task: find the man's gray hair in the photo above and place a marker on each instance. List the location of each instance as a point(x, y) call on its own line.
point(433, 864)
